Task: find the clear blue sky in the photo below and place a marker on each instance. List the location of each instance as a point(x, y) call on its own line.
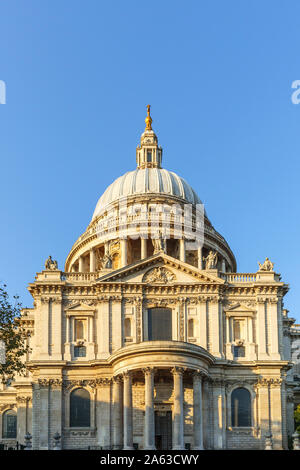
point(218, 75)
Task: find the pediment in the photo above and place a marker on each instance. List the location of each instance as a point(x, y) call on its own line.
point(240, 310)
point(160, 269)
point(80, 309)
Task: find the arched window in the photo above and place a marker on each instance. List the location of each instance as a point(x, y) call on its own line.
point(241, 408)
point(80, 408)
point(9, 424)
point(191, 328)
point(127, 327)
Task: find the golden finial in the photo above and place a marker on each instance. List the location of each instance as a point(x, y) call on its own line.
point(148, 119)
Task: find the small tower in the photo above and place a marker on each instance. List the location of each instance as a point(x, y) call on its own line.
point(148, 153)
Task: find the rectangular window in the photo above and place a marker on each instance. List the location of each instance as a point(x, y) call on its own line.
point(238, 351)
point(79, 351)
point(80, 328)
point(149, 156)
point(159, 324)
point(239, 329)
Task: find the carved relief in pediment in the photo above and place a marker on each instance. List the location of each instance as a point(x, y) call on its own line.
point(159, 275)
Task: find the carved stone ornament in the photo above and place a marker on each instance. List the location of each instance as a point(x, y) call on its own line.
point(269, 381)
point(73, 302)
point(8, 406)
point(54, 300)
point(69, 384)
point(51, 264)
point(104, 381)
point(266, 266)
point(23, 399)
point(53, 382)
point(159, 275)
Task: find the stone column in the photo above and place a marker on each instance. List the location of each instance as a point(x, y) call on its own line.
point(182, 250)
point(178, 419)
point(143, 248)
point(223, 265)
point(123, 252)
point(80, 262)
point(149, 429)
point(117, 413)
point(92, 261)
point(197, 411)
point(200, 264)
point(206, 419)
point(127, 421)
point(219, 410)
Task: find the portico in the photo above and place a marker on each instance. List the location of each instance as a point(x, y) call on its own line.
point(172, 371)
point(123, 407)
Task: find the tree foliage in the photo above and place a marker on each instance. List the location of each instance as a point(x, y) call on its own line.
point(14, 336)
point(297, 418)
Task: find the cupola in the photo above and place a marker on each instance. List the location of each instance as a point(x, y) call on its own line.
point(148, 153)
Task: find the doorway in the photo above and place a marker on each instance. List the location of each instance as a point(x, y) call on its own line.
point(163, 430)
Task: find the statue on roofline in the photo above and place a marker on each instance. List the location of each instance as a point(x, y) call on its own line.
point(51, 264)
point(266, 266)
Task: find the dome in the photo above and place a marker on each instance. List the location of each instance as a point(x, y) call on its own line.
point(147, 181)
point(113, 241)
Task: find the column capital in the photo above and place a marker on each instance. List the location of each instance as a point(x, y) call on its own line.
point(178, 370)
point(218, 381)
point(149, 370)
point(104, 381)
point(127, 374)
point(198, 374)
point(117, 379)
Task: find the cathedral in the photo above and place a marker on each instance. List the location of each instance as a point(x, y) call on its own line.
point(149, 338)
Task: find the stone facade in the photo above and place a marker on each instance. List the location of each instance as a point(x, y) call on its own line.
point(91, 331)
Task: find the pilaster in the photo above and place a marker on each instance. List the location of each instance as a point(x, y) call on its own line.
point(219, 413)
point(103, 421)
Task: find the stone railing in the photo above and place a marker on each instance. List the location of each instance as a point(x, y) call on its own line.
point(239, 277)
point(73, 277)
